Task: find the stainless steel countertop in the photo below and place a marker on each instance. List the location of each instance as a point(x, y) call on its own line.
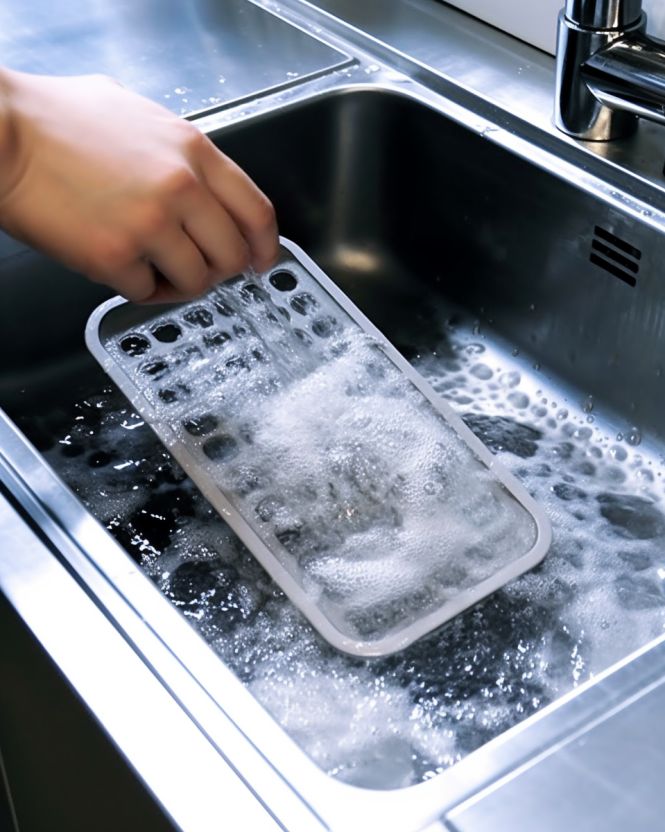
point(616, 764)
point(189, 56)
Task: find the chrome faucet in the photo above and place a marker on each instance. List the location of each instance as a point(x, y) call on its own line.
point(609, 71)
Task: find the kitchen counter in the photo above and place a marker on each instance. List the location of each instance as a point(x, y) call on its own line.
point(190, 57)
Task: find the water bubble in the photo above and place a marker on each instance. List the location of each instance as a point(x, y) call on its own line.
point(510, 379)
point(518, 400)
point(583, 433)
point(268, 507)
point(481, 371)
point(634, 436)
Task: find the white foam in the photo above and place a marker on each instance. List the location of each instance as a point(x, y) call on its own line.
point(594, 600)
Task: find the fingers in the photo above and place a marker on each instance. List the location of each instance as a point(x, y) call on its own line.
point(247, 205)
point(180, 261)
point(217, 237)
point(136, 282)
point(174, 251)
point(164, 292)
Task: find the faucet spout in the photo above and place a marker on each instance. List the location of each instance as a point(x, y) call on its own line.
point(629, 75)
point(610, 72)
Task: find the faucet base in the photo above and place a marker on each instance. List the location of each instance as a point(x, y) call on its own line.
point(579, 112)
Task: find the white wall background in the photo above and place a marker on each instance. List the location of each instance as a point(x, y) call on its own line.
point(535, 20)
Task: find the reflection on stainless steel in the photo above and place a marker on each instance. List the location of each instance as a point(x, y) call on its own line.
point(576, 787)
point(506, 218)
point(609, 72)
point(189, 56)
point(603, 14)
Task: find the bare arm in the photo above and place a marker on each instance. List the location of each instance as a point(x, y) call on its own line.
point(112, 184)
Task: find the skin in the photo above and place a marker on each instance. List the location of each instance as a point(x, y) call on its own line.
point(118, 188)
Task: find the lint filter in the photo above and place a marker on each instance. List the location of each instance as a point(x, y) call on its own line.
point(361, 492)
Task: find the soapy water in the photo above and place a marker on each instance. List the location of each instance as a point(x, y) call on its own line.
point(349, 475)
point(597, 596)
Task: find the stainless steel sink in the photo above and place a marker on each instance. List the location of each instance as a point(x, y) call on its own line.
point(527, 290)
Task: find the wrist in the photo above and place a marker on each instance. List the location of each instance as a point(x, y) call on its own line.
point(9, 150)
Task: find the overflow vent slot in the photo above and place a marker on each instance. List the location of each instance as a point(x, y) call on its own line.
point(615, 255)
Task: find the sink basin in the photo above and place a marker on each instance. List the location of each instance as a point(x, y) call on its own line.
point(529, 301)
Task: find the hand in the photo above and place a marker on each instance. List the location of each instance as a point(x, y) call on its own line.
point(118, 188)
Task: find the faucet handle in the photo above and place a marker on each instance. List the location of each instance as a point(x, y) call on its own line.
point(603, 14)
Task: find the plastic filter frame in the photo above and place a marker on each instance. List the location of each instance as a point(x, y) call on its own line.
point(361, 492)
